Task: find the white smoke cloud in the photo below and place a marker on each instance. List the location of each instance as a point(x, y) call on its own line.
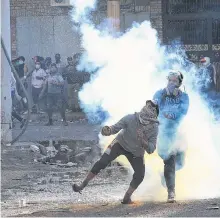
point(133, 66)
point(81, 9)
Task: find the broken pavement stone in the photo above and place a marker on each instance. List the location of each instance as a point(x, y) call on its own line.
point(212, 208)
point(69, 164)
point(80, 157)
point(86, 149)
point(43, 149)
point(34, 148)
point(66, 176)
point(51, 151)
point(65, 180)
point(64, 148)
point(42, 182)
point(54, 180)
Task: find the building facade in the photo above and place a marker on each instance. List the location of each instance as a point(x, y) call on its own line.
point(37, 28)
point(196, 24)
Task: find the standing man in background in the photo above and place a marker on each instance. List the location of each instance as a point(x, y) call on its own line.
point(48, 63)
point(206, 81)
point(68, 77)
point(77, 81)
point(60, 69)
point(15, 98)
point(37, 82)
point(59, 64)
point(53, 88)
point(207, 76)
point(22, 70)
point(74, 80)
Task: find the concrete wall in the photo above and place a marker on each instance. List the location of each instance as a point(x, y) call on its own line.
point(6, 103)
point(47, 35)
point(39, 29)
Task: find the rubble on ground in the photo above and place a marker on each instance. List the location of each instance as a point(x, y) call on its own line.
point(61, 155)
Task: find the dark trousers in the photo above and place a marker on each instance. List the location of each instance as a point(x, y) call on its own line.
point(173, 163)
point(35, 94)
point(55, 100)
point(115, 150)
point(16, 116)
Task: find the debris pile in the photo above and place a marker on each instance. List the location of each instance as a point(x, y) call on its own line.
point(60, 155)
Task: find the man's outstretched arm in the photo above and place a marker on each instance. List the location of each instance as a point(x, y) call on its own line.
point(111, 130)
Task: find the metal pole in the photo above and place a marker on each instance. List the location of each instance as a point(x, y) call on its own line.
point(113, 14)
point(6, 102)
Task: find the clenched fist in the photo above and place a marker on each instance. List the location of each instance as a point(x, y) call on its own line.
point(106, 131)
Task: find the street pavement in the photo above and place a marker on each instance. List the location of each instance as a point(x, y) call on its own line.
point(47, 188)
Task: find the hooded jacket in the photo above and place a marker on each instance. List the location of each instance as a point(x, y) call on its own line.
point(130, 139)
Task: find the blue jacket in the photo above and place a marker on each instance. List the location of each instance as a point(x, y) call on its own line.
point(174, 106)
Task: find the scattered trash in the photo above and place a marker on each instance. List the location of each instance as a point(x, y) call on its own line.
point(80, 156)
point(86, 149)
point(58, 161)
point(64, 148)
point(212, 208)
point(42, 149)
point(41, 189)
point(69, 164)
point(66, 176)
point(54, 180)
point(22, 203)
point(34, 148)
point(51, 150)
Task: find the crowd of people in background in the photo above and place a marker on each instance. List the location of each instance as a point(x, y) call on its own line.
point(55, 85)
point(206, 84)
point(51, 85)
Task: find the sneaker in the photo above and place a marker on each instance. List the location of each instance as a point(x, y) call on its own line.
point(127, 201)
point(171, 197)
point(76, 188)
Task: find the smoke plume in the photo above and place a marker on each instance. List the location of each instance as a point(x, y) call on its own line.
point(126, 70)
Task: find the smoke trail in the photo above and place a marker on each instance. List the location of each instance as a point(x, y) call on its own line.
point(131, 67)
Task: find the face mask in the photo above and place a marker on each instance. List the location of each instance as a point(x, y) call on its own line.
point(21, 62)
point(171, 87)
point(37, 66)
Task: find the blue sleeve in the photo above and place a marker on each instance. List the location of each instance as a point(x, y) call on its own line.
point(158, 96)
point(184, 107)
point(185, 104)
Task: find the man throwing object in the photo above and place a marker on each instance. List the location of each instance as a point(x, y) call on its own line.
point(139, 134)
